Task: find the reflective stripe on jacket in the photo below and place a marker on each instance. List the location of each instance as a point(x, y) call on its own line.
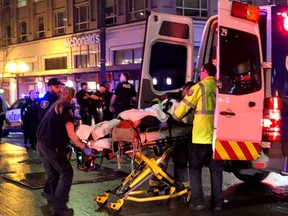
point(202, 98)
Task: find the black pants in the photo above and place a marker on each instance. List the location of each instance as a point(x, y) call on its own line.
point(120, 107)
point(59, 173)
point(199, 156)
point(180, 158)
point(85, 115)
point(2, 118)
point(29, 131)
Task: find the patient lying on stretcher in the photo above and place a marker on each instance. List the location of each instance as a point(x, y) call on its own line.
point(151, 124)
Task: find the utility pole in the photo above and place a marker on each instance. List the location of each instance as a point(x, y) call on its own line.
point(103, 41)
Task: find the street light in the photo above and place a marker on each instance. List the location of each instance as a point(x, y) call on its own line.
point(17, 69)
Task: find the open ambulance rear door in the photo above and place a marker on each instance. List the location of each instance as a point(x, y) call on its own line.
point(168, 56)
point(240, 86)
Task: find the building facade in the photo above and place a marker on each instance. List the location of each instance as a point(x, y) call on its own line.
point(40, 39)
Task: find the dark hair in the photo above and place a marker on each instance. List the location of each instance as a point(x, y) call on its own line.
point(210, 68)
point(126, 75)
point(30, 92)
point(68, 95)
point(83, 83)
point(188, 84)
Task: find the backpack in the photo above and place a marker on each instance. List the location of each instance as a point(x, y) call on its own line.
point(125, 131)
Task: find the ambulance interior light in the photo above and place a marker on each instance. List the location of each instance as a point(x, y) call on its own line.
point(245, 11)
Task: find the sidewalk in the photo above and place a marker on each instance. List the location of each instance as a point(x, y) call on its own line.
point(12, 160)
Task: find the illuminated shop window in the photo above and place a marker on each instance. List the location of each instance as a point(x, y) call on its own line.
point(56, 63)
point(86, 61)
point(80, 61)
point(131, 56)
point(137, 9)
point(195, 8)
point(82, 17)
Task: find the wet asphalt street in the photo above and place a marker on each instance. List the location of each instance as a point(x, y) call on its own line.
point(268, 198)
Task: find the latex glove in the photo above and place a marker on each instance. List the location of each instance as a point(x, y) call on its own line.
point(87, 151)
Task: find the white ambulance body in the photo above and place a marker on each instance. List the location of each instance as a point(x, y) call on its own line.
point(252, 94)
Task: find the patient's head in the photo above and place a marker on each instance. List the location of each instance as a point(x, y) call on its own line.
point(186, 88)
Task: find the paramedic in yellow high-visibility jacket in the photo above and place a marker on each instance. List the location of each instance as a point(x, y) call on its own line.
point(202, 98)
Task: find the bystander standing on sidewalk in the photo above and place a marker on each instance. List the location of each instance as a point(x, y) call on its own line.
point(29, 117)
point(3, 110)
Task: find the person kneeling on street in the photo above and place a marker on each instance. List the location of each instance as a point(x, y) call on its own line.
point(53, 136)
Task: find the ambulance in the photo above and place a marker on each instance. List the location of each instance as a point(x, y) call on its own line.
point(249, 46)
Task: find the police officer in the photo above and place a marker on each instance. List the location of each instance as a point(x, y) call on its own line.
point(51, 96)
point(84, 101)
point(107, 95)
point(3, 110)
point(29, 119)
point(53, 136)
point(202, 98)
point(124, 97)
point(96, 105)
point(44, 103)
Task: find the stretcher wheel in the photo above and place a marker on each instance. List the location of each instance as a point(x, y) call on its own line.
point(102, 199)
point(185, 199)
point(116, 206)
point(101, 204)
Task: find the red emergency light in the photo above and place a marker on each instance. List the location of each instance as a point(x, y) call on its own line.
point(285, 19)
point(271, 124)
point(245, 11)
point(285, 24)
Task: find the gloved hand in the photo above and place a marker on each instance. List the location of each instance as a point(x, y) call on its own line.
point(171, 120)
point(87, 151)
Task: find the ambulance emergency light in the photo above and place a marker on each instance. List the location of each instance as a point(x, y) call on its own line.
point(285, 20)
point(245, 11)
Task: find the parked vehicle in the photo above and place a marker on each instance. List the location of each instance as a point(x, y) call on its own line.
point(13, 115)
point(248, 45)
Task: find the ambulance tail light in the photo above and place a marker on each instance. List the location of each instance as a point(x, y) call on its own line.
point(271, 124)
point(284, 19)
point(245, 11)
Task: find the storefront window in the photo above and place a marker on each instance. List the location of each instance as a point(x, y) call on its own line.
point(56, 63)
point(80, 61)
point(131, 56)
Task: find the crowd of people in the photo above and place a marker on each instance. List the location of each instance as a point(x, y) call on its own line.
point(55, 122)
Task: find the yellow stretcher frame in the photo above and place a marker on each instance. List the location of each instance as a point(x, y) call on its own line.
point(146, 168)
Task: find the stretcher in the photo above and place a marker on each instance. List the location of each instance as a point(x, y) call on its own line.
point(159, 146)
point(148, 151)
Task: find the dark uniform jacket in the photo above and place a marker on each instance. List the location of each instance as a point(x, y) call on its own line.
point(44, 104)
point(29, 113)
point(84, 103)
point(124, 92)
point(52, 130)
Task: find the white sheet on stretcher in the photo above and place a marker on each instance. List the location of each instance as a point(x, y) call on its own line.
point(147, 138)
point(104, 128)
